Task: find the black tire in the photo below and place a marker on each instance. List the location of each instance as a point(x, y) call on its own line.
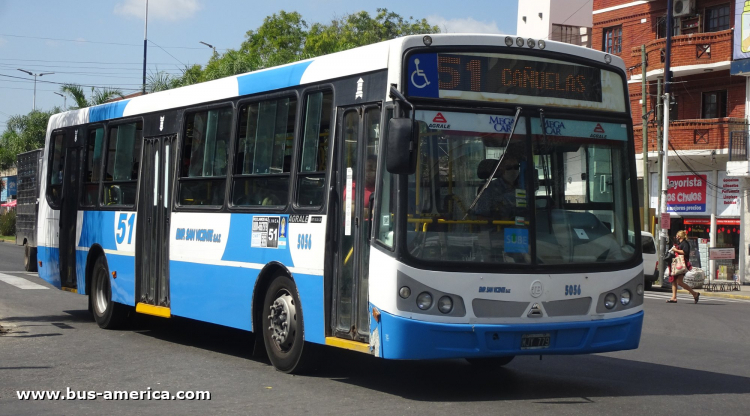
point(107, 314)
point(29, 259)
point(490, 362)
point(292, 354)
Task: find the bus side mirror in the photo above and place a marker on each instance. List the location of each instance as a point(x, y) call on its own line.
point(402, 146)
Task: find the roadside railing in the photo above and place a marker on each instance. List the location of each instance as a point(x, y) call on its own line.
point(738, 146)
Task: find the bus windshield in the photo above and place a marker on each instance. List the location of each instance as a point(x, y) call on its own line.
point(540, 197)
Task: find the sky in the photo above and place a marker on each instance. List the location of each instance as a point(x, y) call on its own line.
point(100, 42)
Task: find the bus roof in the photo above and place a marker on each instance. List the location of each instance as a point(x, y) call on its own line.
point(363, 59)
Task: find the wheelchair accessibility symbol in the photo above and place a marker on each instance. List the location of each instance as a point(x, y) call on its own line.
point(419, 73)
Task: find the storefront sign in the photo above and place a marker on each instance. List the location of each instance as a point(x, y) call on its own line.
point(688, 194)
point(729, 201)
point(741, 30)
point(721, 254)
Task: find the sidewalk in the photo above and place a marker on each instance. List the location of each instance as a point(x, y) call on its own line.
point(743, 293)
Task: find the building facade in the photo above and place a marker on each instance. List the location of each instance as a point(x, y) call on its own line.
point(708, 116)
point(566, 21)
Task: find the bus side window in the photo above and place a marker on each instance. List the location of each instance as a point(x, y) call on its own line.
point(313, 158)
point(264, 153)
point(123, 154)
point(203, 166)
point(55, 171)
point(92, 174)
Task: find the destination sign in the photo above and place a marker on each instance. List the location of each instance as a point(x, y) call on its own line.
point(444, 75)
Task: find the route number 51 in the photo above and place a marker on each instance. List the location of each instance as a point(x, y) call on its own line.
point(125, 227)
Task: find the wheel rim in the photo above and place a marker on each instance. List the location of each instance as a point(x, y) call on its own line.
point(283, 322)
point(102, 293)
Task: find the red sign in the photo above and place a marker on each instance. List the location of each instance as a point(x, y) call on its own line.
point(599, 129)
point(439, 118)
point(665, 221)
point(686, 194)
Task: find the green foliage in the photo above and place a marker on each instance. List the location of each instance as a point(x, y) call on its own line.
point(23, 133)
point(8, 223)
point(97, 96)
point(285, 38)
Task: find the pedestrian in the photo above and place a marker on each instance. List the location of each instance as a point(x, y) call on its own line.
point(681, 248)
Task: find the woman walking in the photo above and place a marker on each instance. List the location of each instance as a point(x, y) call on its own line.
point(681, 248)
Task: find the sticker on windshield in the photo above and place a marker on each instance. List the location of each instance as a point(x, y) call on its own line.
point(516, 240)
point(581, 234)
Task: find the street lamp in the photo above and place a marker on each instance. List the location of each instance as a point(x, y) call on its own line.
point(65, 100)
point(35, 75)
point(209, 45)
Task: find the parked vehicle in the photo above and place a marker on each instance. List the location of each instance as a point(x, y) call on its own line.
point(29, 166)
point(650, 260)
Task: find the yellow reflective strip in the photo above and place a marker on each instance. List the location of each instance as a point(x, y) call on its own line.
point(348, 344)
point(159, 311)
point(69, 289)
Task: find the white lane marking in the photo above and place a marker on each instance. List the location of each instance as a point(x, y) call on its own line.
point(20, 282)
point(704, 298)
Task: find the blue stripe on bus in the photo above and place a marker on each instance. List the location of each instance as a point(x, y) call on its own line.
point(98, 228)
point(240, 236)
point(403, 338)
point(123, 287)
point(107, 111)
point(223, 295)
point(50, 268)
point(272, 79)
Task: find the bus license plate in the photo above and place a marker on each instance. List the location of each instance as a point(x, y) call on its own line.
point(534, 341)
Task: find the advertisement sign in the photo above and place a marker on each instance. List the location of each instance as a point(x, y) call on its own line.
point(9, 187)
point(729, 202)
point(688, 194)
point(4, 193)
point(741, 30)
point(721, 253)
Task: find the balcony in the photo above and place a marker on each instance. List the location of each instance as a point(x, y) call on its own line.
point(696, 135)
point(739, 150)
point(691, 54)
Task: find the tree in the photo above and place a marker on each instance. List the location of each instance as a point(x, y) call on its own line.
point(97, 96)
point(23, 133)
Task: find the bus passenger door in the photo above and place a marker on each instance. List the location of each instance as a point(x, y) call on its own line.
point(69, 209)
point(154, 213)
point(358, 131)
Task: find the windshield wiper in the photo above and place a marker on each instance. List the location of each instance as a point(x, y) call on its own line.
point(494, 171)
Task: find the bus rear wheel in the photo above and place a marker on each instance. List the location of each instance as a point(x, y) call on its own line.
point(108, 314)
point(29, 259)
point(491, 362)
point(282, 326)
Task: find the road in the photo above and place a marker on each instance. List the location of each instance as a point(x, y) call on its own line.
point(692, 360)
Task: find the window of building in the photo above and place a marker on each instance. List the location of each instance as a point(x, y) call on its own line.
point(717, 18)
point(314, 155)
point(92, 174)
point(264, 153)
point(574, 35)
point(55, 168)
point(661, 27)
point(714, 104)
point(203, 165)
point(123, 156)
point(613, 40)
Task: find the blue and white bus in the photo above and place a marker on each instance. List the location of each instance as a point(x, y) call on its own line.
point(443, 196)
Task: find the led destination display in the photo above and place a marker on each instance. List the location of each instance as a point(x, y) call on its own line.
point(519, 77)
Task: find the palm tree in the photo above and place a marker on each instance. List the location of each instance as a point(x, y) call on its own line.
point(98, 96)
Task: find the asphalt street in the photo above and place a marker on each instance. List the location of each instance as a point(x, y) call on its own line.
point(693, 359)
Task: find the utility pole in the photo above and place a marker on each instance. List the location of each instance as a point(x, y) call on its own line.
point(644, 114)
point(145, 47)
point(33, 105)
point(664, 239)
point(210, 46)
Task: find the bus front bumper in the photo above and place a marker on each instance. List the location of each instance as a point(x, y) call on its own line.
point(408, 339)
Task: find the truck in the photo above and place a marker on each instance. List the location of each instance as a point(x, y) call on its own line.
point(29, 170)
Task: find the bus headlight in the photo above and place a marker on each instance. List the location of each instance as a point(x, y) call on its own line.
point(542, 44)
point(508, 41)
point(625, 297)
point(610, 301)
point(445, 304)
point(639, 290)
point(531, 43)
point(404, 292)
point(519, 42)
point(424, 301)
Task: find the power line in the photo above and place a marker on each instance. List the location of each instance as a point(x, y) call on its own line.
point(91, 41)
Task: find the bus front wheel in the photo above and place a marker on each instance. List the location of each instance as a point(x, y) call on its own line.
point(282, 326)
point(108, 314)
